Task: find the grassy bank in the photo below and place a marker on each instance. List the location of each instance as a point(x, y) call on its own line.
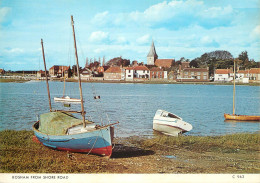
point(238, 153)
point(7, 80)
point(227, 143)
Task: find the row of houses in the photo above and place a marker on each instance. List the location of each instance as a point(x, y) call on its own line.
point(156, 69)
point(243, 76)
point(139, 73)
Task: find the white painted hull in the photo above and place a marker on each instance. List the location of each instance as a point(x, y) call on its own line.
point(170, 124)
point(66, 99)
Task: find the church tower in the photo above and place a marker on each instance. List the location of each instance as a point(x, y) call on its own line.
point(152, 56)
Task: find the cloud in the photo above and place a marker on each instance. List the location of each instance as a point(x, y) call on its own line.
point(178, 14)
point(13, 50)
point(120, 40)
point(99, 37)
point(216, 12)
point(256, 32)
point(144, 39)
point(209, 42)
point(172, 15)
point(3, 13)
point(100, 18)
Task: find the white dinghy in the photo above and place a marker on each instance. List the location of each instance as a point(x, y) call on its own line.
point(169, 124)
point(66, 99)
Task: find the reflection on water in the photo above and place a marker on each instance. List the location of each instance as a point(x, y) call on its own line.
point(134, 105)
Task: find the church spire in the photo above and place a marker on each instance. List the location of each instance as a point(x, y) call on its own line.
point(152, 55)
point(152, 52)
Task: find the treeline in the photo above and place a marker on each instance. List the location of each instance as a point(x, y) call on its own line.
point(221, 59)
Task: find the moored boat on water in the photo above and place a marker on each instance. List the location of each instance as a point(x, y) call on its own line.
point(241, 117)
point(66, 99)
point(60, 130)
point(234, 116)
point(169, 124)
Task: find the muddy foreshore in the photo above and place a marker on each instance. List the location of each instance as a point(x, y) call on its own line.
point(183, 155)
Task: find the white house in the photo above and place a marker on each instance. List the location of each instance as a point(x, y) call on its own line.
point(254, 74)
point(141, 72)
point(223, 75)
point(137, 72)
point(129, 73)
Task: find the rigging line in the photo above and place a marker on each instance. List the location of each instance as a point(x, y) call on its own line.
point(100, 105)
point(81, 48)
point(69, 56)
point(93, 88)
point(93, 145)
point(96, 104)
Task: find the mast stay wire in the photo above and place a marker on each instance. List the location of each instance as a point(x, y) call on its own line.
point(97, 103)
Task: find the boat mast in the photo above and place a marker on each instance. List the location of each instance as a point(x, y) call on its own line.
point(80, 88)
point(64, 81)
point(234, 88)
point(49, 96)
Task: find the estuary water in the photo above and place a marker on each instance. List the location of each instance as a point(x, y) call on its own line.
point(134, 105)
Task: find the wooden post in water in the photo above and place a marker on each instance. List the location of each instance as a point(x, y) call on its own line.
point(234, 88)
point(49, 96)
point(80, 88)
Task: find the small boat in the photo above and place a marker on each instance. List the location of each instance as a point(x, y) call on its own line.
point(234, 116)
point(66, 99)
point(62, 131)
point(59, 129)
point(169, 124)
point(241, 117)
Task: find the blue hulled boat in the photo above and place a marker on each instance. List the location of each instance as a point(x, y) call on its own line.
point(60, 130)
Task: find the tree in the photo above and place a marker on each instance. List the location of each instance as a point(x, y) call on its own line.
point(118, 61)
point(94, 65)
point(86, 65)
point(194, 63)
point(74, 70)
point(243, 56)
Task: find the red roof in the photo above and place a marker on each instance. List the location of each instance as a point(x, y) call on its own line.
point(223, 71)
point(60, 67)
point(41, 71)
point(114, 70)
point(156, 69)
point(254, 71)
point(243, 71)
point(164, 62)
point(128, 68)
point(141, 67)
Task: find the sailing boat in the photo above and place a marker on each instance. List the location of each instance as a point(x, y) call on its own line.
point(60, 130)
point(67, 98)
point(235, 116)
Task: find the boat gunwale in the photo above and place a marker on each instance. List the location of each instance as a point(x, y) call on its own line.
point(237, 117)
point(97, 128)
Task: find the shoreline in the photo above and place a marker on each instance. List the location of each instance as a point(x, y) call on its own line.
point(237, 153)
point(10, 80)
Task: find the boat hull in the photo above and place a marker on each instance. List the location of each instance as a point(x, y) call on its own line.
point(241, 117)
point(167, 129)
point(97, 142)
point(169, 124)
point(58, 99)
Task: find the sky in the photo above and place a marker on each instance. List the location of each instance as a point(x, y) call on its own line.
point(126, 28)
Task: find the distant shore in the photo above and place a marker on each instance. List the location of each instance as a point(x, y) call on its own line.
point(21, 80)
point(237, 153)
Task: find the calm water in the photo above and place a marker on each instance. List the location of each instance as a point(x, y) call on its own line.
point(134, 105)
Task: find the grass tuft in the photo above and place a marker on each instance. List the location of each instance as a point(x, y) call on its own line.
point(205, 143)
